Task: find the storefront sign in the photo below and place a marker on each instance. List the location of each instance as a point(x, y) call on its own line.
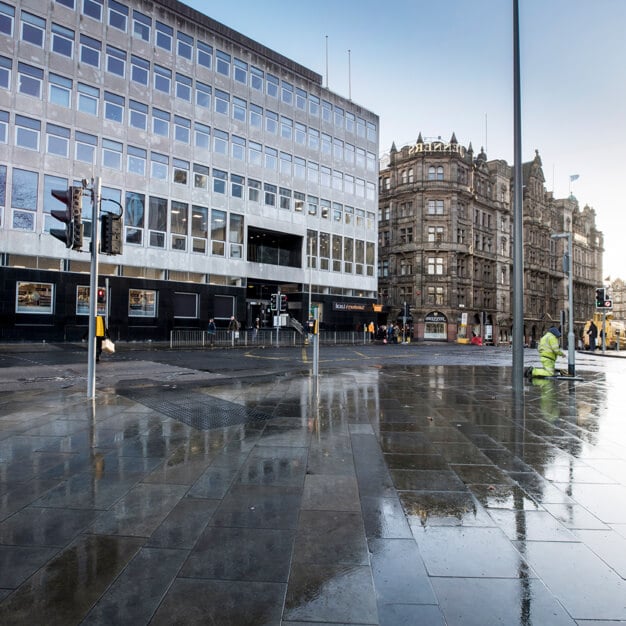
point(437, 146)
point(351, 306)
point(435, 316)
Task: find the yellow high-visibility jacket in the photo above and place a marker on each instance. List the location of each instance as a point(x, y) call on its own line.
point(100, 330)
point(549, 347)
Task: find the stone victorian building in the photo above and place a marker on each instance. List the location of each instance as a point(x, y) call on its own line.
point(445, 245)
point(618, 295)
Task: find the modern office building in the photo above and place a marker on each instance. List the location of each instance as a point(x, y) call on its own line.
point(239, 174)
point(445, 245)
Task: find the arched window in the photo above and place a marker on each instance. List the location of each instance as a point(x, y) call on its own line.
point(404, 177)
point(432, 174)
point(440, 173)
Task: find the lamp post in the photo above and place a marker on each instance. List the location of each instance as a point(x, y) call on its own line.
point(567, 265)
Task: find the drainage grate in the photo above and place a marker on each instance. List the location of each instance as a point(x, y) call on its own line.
point(198, 410)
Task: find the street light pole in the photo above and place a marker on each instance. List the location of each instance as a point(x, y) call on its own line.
point(518, 220)
point(571, 348)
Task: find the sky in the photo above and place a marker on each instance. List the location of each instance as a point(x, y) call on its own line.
point(445, 66)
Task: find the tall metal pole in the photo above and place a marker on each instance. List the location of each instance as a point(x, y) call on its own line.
point(567, 267)
point(571, 348)
point(278, 314)
point(518, 223)
point(316, 344)
point(349, 77)
point(310, 275)
point(326, 61)
point(93, 288)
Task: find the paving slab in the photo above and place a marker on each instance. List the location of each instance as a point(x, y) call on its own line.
point(392, 492)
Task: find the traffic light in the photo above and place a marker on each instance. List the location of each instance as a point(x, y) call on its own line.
point(101, 296)
point(600, 298)
point(283, 303)
point(72, 217)
point(111, 234)
point(274, 302)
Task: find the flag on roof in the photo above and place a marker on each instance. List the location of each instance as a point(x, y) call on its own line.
point(574, 177)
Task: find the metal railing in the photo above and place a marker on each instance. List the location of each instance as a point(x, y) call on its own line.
point(267, 337)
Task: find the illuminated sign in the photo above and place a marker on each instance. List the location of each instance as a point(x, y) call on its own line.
point(350, 306)
point(354, 306)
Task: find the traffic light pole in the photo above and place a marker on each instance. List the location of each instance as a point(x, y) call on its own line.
point(93, 288)
point(316, 344)
point(278, 311)
point(571, 348)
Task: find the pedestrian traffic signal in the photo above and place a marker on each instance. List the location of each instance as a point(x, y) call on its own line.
point(283, 303)
point(602, 299)
point(101, 297)
point(599, 297)
point(274, 302)
point(111, 234)
point(72, 234)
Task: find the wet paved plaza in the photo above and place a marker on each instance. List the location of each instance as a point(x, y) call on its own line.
point(407, 494)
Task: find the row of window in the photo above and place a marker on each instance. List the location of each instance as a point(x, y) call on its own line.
point(434, 267)
point(33, 29)
point(139, 161)
point(337, 253)
point(436, 235)
point(27, 131)
point(437, 295)
point(160, 223)
point(163, 124)
point(482, 218)
point(407, 177)
point(436, 173)
point(483, 270)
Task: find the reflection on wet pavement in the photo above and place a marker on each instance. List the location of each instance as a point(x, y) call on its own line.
point(389, 496)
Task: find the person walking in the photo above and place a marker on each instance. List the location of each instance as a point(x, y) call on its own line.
point(101, 332)
point(211, 331)
point(549, 350)
point(593, 335)
point(371, 330)
point(233, 328)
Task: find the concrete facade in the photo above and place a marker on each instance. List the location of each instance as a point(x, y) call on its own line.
point(233, 164)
